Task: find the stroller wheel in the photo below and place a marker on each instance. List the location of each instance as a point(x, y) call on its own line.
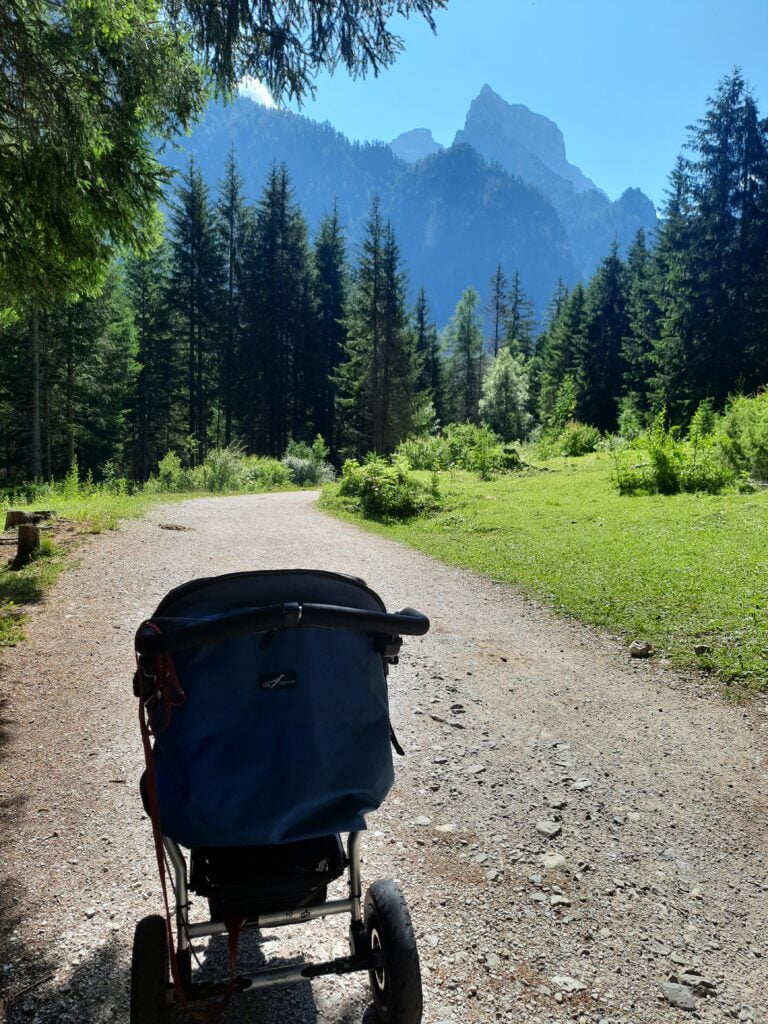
point(149, 971)
point(396, 976)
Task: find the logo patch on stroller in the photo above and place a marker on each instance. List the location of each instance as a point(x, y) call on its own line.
point(277, 681)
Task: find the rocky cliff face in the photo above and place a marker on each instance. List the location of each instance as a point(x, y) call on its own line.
point(532, 147)
point(523, 142)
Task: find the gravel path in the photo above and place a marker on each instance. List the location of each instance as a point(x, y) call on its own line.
point(572, 830)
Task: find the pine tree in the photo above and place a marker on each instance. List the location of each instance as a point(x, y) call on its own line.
point(378, 375)
point(230, 219)
point(463, 344)
point(429, 362)
point(156, 404)
point(643, 315)
point(498, 310)
point(330, 293)
point(561, 349)
point(278, 320)
point(519, 322)
point(600, 366)
point(195, 295)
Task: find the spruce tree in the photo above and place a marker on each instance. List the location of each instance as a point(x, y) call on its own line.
point(519, 321)
point(600, 365)
point(156, 408)
point(498, 310)
point(430, 380)
point(230, 218)
point(561, 350)
point(195, 296)
point(377, 377)
point(643, 315)
point(463, 344)
point(330, 295)
point(277, 321)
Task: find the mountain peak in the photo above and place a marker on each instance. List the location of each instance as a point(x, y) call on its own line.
point(415, 145)
point(521, 140)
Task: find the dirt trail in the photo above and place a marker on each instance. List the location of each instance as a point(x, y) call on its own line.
point(514, 722)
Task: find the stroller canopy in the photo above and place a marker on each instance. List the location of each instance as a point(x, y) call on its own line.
point(280, 735)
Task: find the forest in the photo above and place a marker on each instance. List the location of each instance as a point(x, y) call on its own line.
point(237, 330)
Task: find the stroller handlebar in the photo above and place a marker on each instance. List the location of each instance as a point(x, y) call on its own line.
point(289, 615)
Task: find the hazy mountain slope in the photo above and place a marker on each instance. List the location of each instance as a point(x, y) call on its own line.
point(455, 217)
point(532, 147)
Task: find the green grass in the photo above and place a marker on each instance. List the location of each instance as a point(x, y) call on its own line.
point(675, 571)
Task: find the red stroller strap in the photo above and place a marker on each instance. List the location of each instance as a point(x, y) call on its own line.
point(165, 670)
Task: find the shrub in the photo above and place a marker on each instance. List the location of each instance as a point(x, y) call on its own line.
point(307, 464)
point(308, 471)
point(426, 451)
point(477, 449)
point(743, 435)
point(169, 472)
point(675, 465)
point(384, 490)
point(222, 470)
point(630, 423)
point(577, 439)
point(263, 474)
point(461, 446)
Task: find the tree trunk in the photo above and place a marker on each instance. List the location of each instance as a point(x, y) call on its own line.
point(37, 460)
point(70, 413)
point(29, 541)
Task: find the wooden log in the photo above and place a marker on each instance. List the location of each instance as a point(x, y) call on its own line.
point(43, 513)
point(29, 541)
point(14, 518)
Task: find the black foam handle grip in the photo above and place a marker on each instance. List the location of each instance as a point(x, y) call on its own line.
point(178, 635)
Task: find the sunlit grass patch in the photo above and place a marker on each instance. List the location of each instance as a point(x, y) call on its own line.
point(677, 571)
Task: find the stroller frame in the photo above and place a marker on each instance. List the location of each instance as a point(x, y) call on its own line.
point(359, 960)
point(381, 936)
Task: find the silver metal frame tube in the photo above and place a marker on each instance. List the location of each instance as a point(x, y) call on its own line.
point(277, 919)
point(355, 885)
point(179, 865)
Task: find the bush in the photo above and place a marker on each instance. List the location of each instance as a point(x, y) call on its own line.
point(675, 465)
point(222, 470)
point(384, 490)
point(577, 439)
point(427, 451)
point(169, 472)
point(743, 435)
point(461, 446)
point(263, 474)
point(307, 464)
point(308, 471)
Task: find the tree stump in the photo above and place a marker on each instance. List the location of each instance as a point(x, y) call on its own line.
point(29, 542)
point(14, 518)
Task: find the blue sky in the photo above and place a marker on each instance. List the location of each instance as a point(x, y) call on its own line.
point(622, 78)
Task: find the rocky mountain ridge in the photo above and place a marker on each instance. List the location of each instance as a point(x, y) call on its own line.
point(457, 212)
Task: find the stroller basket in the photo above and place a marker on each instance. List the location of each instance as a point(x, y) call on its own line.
point(265, 720)
point(252, 880)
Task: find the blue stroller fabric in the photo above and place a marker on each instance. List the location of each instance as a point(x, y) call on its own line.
point(282, 735)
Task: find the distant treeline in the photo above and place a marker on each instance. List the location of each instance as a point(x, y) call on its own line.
point(240, 330)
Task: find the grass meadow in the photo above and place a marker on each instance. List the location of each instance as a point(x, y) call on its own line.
point(676, 571)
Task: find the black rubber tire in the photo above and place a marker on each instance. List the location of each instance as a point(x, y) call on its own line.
point(149, 972)
point(396, 983)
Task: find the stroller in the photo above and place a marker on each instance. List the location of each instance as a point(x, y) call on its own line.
point(265, 722)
